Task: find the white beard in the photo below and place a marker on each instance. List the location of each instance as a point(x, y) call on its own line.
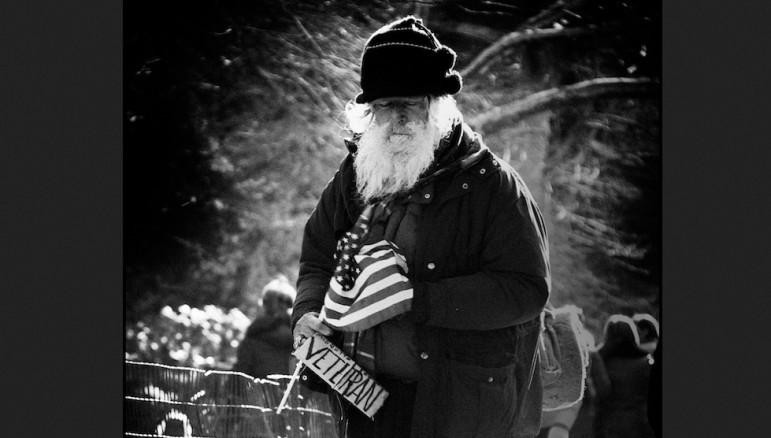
point(387, 164)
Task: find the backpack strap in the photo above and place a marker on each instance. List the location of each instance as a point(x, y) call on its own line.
point(549, 350)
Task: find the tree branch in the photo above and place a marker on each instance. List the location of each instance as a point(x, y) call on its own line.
point(310, 90)
point(309, 36)
point(271, 78)
point(549, 14)
point(537, 102)
point(515, 38)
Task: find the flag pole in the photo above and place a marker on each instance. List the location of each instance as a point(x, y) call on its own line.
point(295, 376)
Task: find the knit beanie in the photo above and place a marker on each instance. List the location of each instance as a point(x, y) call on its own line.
point(404, 58)
point(279, 290)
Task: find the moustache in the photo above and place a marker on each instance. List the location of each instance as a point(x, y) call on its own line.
point(409, 128)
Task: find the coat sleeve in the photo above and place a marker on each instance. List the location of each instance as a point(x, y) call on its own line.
point(512, 283)
point(599, 376)
point(317, 254)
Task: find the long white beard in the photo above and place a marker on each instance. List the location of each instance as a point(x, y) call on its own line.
point(388, 164)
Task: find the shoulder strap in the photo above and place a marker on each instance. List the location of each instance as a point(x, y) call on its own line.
point(549, 350)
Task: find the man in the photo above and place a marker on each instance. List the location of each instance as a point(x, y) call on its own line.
point(467, 244)
point(267, 345)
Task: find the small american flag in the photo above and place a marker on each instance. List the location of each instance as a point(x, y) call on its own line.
point(369, 284)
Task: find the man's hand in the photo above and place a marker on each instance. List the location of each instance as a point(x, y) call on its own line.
point(308, 325)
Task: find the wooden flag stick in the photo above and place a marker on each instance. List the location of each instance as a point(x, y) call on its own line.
point(295, 376)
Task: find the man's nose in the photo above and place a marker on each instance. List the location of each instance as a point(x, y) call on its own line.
point(401, 114)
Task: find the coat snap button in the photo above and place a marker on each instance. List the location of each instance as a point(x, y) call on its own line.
point(431, 266)
point(427, 195)
point(495, 163)
point(424, 355)
point(482, 171)
point(490, 379)
point(465, 186)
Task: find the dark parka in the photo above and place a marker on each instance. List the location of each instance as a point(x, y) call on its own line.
point(266, 347)
point(480, 276)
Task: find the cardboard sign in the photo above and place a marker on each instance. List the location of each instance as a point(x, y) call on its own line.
point(342, 374)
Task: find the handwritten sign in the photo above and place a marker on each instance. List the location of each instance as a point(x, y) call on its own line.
point(342, 374)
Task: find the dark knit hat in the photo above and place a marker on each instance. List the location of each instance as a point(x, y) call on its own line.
point(404, 58)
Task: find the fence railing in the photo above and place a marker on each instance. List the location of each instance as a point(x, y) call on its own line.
point(168, 401)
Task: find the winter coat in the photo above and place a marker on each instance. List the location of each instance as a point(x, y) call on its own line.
point(654, 392)
point(622, 411)
point(266, 347)
point(480, 276)
point(597, 388)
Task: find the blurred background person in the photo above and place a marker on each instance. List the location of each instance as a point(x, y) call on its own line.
point(267, 345)
point(622, 411)
point(597, 387)
point(577, 421)
point(558, 424)
point(654, 392)
point(650, 341)
point(648, 330)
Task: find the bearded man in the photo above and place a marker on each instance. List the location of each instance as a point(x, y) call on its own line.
point(455, 346)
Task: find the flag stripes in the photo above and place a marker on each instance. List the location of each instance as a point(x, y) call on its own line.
point(368, 287)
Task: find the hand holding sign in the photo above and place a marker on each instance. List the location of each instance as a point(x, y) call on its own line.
point(341, 373)
point(308, 325)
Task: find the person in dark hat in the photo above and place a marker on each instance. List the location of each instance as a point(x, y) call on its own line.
point(622, 410)
point(451, 330)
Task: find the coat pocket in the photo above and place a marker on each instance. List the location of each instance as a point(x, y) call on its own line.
point(481, 402)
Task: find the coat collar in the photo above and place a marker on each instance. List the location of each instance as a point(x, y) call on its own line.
point(461, 150)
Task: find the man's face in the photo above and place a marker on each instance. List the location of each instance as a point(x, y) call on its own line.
point(403, 116)
point(396, 148)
